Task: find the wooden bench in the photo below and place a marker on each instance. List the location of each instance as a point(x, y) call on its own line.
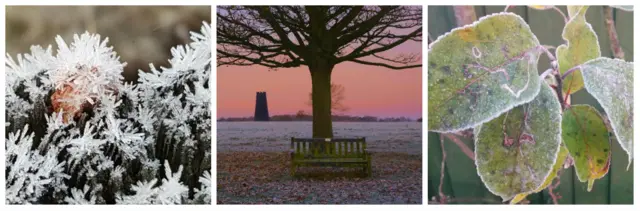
point(338, 152)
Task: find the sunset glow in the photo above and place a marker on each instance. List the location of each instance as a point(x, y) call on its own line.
point(369, 90)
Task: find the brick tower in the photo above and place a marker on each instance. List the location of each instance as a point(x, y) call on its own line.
point(262, 110)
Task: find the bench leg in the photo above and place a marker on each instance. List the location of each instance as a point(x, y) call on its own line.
point(369, 167)
point(293, 170)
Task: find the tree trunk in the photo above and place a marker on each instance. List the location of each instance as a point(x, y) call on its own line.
point(321, 99)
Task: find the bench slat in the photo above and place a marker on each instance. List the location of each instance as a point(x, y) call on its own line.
point(319, 148)
point(332, 140)
point(336, 152)
point(334, 160)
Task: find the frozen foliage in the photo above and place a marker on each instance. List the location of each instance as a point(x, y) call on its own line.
point(610, 81)
point(477, 79)
point(473, 80)
point(170, 191)
point(517, 151)
point(30, 173)
point(204, 193)
point(78, 134)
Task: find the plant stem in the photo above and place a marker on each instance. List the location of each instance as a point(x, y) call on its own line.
point(465, 15)
point(561, 13)
point(467, 151)
point(555, 196)
point(444, 157)
point(546, 73)
point(570, 71)
point(613, 35)
point(559, 91)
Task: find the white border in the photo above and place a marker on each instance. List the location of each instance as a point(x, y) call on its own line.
point(214, 3)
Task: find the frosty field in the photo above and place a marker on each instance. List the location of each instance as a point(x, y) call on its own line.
point(253, 165)
point(402, 137)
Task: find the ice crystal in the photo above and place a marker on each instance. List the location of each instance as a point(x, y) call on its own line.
point(79, 134)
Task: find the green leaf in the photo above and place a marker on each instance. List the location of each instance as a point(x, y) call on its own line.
point(610, 81)
point(516, 152)
point(582, 46)
point(562, 156)
point(481, 70)
point(574, 9)
point(623, 7)
point(586, 136)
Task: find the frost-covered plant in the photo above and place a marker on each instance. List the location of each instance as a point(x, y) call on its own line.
point(484, 77)
point(77, 134)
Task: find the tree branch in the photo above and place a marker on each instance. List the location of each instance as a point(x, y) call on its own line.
point(613, 35)
point(465, 15)
point(292, 36)
point(268, 16)
point(570, 71)
point(385, 65)
point(443, 198)
point(358, 54)
point(564, 17)
point(467, 151)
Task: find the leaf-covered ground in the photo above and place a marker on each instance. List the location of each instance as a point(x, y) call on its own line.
point(263, 178)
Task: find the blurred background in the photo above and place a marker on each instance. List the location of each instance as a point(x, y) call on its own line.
point(139, 34)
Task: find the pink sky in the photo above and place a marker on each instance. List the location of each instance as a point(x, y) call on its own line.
point(369, 90)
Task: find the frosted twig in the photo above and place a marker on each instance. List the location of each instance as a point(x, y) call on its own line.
point(613, 35)
point(544, 48)
point(570, 71)
point(546, 73)
point(465, 15)
point(467, 151)
point(561, 13)
point(444, 157)
point(555, 196)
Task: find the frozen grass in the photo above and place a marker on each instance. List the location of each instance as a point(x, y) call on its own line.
point(254, 163)
point(402, 137)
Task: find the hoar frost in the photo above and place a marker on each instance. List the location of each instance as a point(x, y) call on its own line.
point(78, 134)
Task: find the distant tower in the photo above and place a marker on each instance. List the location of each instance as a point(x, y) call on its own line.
point(262, 111)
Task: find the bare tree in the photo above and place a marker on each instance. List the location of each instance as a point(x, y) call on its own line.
point(337, 96)
point(300, 114)
point(318, 37)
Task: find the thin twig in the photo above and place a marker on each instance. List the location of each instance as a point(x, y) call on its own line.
point(545, 49)
point(444, 157)
point(555, 196)
point(613, 35)
point(569, 72)
point(556, 74)
point(559, 91)
point(549, 47)
point(507, 8)
point(465, 15)
point(561, 13)
point(546, 73)
point(467, 151)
